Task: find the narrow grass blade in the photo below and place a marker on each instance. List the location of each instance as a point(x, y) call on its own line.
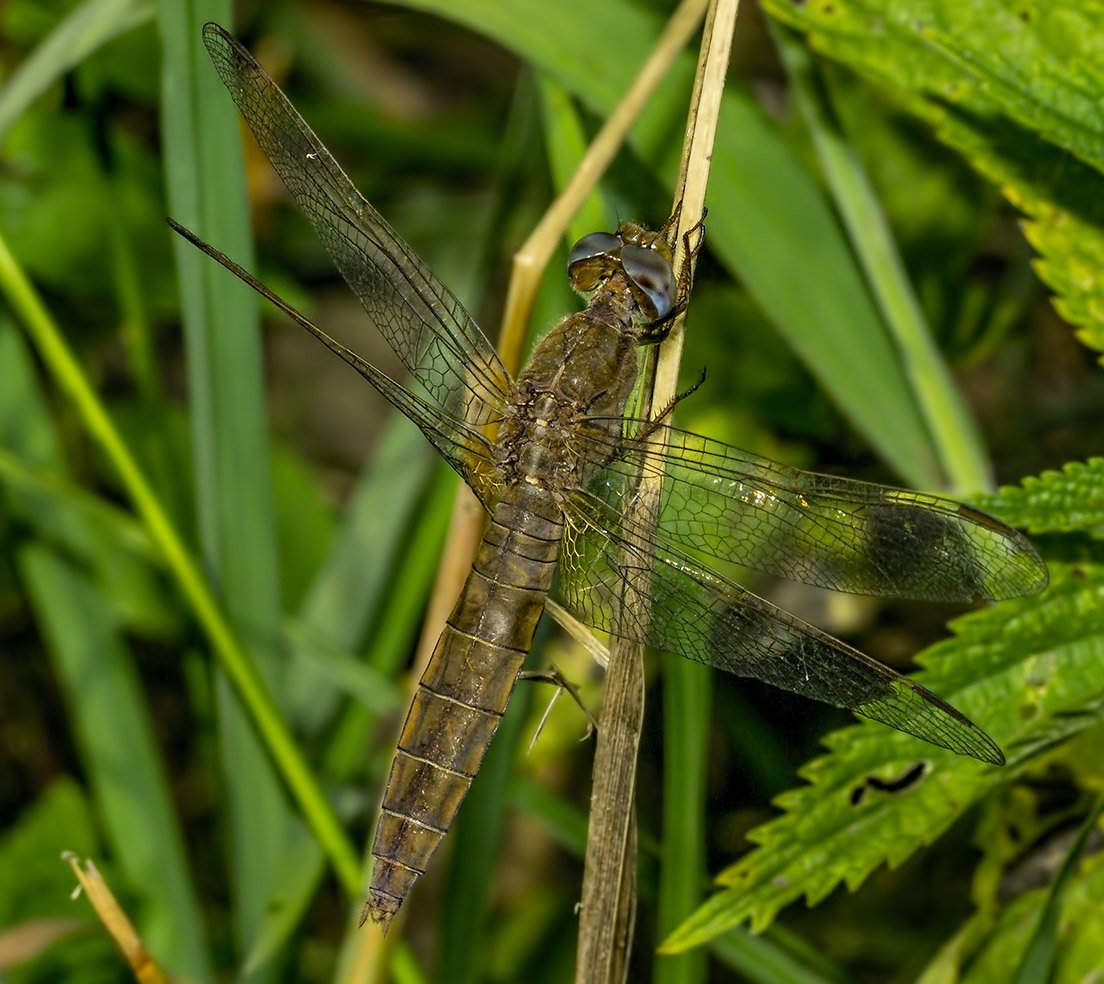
point(351, 586)
point(566, 141)
point(235, 662)
point(563, 821)
point(953, 430)
point(687, 693)
point(206, 186)
point(119, 751)
point(92, 24)
point(1035, 968)
point(395, 634)
point(759, 960)
point(300, 873)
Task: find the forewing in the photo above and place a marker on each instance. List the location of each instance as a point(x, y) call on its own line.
point(463, 447)
point(441, 346)
point(719, 501)
point(699, 614)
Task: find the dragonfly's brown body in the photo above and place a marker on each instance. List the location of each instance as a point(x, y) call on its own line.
point(584, 369)
point(561, 481)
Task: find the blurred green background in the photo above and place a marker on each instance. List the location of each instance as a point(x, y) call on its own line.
point(317, 518)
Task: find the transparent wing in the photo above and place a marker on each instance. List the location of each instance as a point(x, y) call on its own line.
point(463, 447)
point(703, 616)
point(441, 346)
point(719, 501)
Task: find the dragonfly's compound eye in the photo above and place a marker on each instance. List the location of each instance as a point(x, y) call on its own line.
point(652, 274)
point(596, 244)
point(591, 261)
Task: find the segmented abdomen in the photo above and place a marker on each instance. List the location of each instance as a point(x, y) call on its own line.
point(464, 691)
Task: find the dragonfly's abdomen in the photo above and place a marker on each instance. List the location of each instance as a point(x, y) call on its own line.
point(464, 691)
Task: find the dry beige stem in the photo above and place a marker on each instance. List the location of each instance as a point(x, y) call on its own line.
point(609, 883)
point(142, 964)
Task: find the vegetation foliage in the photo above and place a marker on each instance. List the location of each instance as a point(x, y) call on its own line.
point(210, 593)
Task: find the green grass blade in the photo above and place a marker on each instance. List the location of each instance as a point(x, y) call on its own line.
point(566, 142)
point(356, 586)
point(687, 693)
point(759, 960)
point(405, 968)
point(302, 866)
point(63, 495)
point(395, 634)
point(564, 822)
point(233, 659)
point(952, 427)
point(117, 744)
point(1037, 962)
point(89, 26)
point(350, 588)
point(206, 185)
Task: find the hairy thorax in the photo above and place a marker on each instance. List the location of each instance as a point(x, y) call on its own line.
point(577, 382)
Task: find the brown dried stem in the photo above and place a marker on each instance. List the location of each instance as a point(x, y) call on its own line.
point(609, 890)
point(142, 965)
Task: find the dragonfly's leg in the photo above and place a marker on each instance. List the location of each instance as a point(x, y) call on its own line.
point(660, 329)
point(652, 425)
point(692, 246)
point(555, 676)
point(667, 230)
point(675, 401)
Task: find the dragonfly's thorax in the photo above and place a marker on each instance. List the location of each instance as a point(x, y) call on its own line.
point(578, 381)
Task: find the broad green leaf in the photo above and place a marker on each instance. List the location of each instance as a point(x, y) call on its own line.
point(1028, 670)
point(1054, 502)
point(1017, 90)
point(1038, 62)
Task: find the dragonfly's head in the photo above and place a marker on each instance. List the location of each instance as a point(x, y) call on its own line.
point(643, 257)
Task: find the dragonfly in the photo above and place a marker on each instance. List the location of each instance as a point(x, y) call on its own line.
point(560, 480)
